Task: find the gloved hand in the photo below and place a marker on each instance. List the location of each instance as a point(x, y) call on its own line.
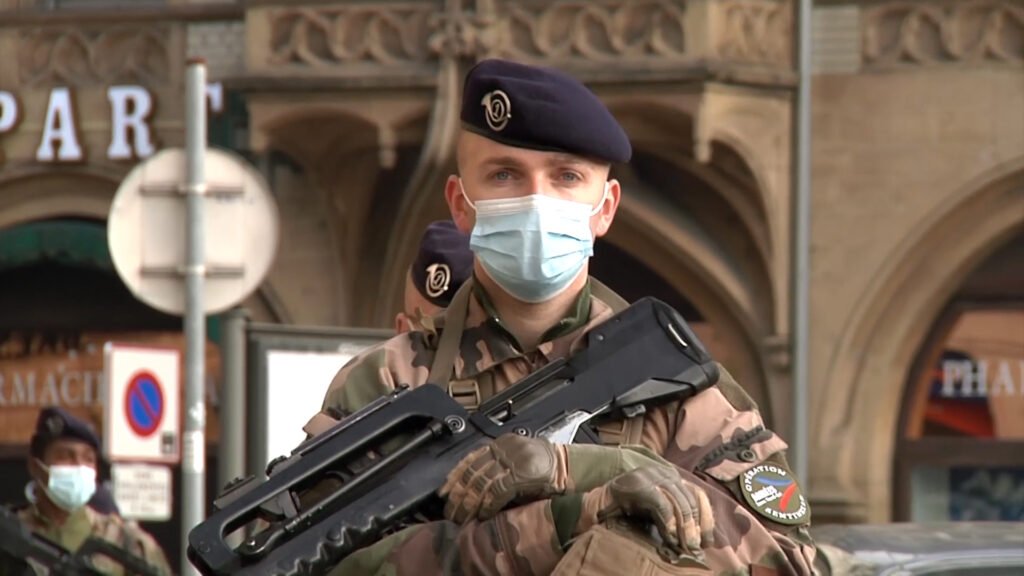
point(509, 468)
point(680, 510)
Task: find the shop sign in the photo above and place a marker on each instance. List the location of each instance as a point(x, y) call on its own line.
point(39, 369)
point(982, 378)
point(130, 133)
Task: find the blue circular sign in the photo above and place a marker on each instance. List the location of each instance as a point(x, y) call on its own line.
point(144, 403)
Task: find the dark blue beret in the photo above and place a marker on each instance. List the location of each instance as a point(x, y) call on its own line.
point(443, 263)
point(54, 423)
point(542, 109)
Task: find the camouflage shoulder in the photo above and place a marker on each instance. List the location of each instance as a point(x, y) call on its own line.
point(734, 392)
point(721, 435)
point(128, 535)
point(152, 553)
point(378, 370)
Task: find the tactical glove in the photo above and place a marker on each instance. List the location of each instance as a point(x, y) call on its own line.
point(511, 467)
point(679, 510)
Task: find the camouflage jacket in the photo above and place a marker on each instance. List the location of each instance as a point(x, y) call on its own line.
point(85, 522)
point(717, 439)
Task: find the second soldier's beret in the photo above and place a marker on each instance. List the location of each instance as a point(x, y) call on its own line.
point(542, 109)
point(443, 263)
point(54, 423)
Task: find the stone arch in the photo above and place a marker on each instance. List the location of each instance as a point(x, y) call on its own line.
point(337, 151)
point(669, 133)
point(84, 192)
point(687, 259)
point(856, 421)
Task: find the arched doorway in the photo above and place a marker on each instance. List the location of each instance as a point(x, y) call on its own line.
point(960, 445)
point(856, 421)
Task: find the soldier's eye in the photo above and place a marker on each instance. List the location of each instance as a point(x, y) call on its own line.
point(569, 176)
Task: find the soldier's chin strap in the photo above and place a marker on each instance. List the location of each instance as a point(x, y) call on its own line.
point(451, 337)
point(607, 295)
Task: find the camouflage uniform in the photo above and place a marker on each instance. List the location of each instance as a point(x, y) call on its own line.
point(713, 438)
point(86, 522)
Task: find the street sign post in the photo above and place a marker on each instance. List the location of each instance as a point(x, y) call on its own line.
point(193, 231)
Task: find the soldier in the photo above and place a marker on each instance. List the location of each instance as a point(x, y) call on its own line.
point(533, 189)
point(62, 463)
point(442, 264)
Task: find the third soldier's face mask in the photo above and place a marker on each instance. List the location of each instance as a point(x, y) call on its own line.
point(69, 486)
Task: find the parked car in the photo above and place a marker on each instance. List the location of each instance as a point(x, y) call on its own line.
point(936, 549)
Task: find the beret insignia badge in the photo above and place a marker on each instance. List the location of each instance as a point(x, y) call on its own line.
point(497, 109)
point(438, 277)
point(55, 425)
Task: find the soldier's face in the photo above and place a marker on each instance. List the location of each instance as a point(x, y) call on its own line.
point(62, 452)
point(490, 170)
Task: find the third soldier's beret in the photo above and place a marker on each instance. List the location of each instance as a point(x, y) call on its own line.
point(54, 423)
point(443, 263)
point(542, 109)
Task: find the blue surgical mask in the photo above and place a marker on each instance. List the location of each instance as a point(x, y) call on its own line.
point(534, 246)
point(70, 487)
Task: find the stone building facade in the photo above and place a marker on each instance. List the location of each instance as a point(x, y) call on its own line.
point(350, 110)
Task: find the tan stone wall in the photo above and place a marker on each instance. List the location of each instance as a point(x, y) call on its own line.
point(895, 152)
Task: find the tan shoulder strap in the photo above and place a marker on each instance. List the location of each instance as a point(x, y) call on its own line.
point(607, 295)
point(451, 336)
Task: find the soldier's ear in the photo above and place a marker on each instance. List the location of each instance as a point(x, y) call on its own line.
point(402, 323)
point(462, 213)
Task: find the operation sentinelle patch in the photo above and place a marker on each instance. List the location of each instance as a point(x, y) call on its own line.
point(774, 493)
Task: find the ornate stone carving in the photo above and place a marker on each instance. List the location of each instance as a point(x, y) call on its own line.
point(74, 55)
point(916, 33)
point(463, 35)
point(387, 34)
point(754, 31)
point(595, 30)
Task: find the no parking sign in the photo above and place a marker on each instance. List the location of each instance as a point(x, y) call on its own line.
point(142, 420)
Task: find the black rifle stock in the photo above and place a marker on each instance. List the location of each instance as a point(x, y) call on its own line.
point(642, 356)
point(18, 545)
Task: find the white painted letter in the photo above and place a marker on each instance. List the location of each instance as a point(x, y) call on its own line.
point(971, 376)
point(1003, 384)
point(66, 396)
point(121, 119)
point(59, 125)
point(215, 97)
point(8, 111)
point(49, 392)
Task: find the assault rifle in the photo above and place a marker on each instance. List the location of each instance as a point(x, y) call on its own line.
point(19, 545)
point(642, 356)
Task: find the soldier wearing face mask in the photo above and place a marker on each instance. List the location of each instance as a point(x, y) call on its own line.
point(533, 191)
point(62, 463)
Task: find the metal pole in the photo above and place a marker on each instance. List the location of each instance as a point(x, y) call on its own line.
point(801, 264)
point(193, 466)
point(231, 455)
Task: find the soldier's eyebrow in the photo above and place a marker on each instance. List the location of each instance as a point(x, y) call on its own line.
point(504, 161)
